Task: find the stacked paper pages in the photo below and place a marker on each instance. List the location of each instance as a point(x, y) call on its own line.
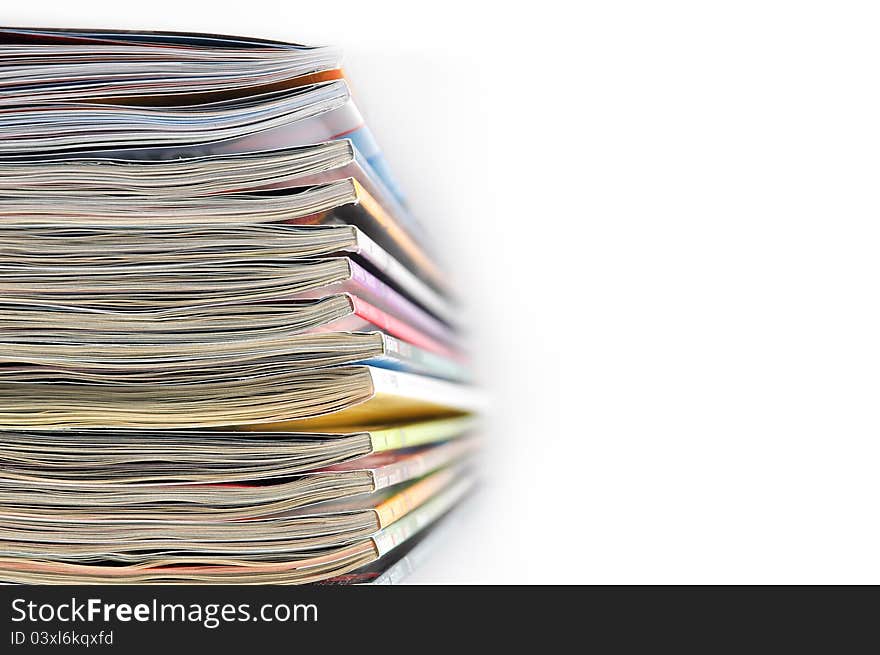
point(227, 353)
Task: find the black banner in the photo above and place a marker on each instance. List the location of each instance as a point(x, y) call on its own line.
point(224, 619)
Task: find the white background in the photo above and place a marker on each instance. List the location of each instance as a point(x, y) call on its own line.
point(664, 220)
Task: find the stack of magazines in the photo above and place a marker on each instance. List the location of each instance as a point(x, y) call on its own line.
point(227, 352)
